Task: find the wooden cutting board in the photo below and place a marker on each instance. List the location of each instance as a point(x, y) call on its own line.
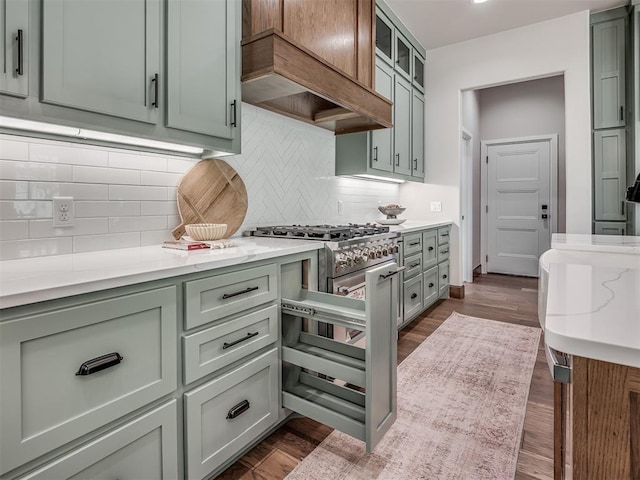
point(211, 192)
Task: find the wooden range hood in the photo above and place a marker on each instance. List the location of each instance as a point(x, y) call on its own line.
point(314, 62)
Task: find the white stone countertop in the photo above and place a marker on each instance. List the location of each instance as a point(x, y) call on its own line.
point(593, 298)
point(416, 225)
point(596, 243)
point(38, 279)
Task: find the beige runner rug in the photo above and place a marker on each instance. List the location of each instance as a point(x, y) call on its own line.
point(462, 397)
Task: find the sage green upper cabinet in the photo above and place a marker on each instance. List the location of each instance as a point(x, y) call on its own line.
point(418, 72)
point(404, 56)
point(202, 84)
point(384, 37)
point(609, 74)
point(14, 41)
point(382, 139)
point(402, 126)
point(417, 135)
point(102, 56)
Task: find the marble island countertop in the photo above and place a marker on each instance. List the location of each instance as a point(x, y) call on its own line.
point(591, 297)
point(44, 278)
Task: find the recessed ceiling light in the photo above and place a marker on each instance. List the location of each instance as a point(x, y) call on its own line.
point(478, 1)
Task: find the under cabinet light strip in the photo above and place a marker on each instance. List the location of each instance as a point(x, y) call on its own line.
point(365, 176)
point(41, 127)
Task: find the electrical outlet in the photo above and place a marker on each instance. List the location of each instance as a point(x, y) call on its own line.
point(63, 212)
point(436, 206)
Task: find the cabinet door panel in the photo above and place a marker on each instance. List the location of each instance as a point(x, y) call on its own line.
point(102, 56)
point(404, 56)
point(382, 140)
point(402, 126)
point(14, 23)
point(417, 135)
point(201, 68)
point(610, 174)
point(609, 74)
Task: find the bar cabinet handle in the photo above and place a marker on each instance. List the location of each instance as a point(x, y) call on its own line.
point(397, 159)
point(99, 363)
point(375, 154)
point(234, 122)
point(226, 345)
point(238, 409)
point(19, 38)
point(391, 274)
point(621, 113)
point(155, 91)
point(241, 292)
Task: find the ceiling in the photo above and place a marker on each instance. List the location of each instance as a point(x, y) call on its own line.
point(437, 23)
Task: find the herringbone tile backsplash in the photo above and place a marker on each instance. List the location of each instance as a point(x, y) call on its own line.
point(125, 198)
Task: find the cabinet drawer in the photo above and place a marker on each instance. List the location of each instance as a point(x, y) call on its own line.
point(146, 447)
point(413, 265)
point(443, 235)
point(443, 252)
point(217, 425)
point(412, 244)
point(216, 297)
point(412, 297)
point(443, 279)
point(218, 346)
point(430, 285)
point(429, 244)
point(45, 403)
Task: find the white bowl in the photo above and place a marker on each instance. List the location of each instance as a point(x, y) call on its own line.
point(206, 231)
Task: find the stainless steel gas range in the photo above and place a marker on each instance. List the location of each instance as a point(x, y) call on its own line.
point(350, 250)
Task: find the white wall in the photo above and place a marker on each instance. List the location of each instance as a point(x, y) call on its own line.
point(471, 123)
point(549, 48)
point(526, 109)
point(126, 198)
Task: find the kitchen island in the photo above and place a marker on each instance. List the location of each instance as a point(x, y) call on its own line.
point(589, 308)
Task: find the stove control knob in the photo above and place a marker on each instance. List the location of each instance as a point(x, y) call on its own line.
point(340, 263)
point(366, 254)
point(394, 248)
point(357, 257)
point(349, 259)
point(378, 252)
point(385, 250)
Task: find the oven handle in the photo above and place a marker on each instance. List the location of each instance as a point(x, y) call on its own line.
point(391, 274)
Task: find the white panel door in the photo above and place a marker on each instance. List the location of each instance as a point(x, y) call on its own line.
point(518, 177)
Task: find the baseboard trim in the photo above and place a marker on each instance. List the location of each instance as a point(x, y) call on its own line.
point(456, 291)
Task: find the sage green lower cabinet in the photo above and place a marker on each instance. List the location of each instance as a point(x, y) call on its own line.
point(224, 343)
point(423, 286)
point(413, 296)
point(610, 228)
point(610, 174)
point(443, 280)
point(52, 395)
point(224, 415)
point(430, 285)
point(310, 360)
point(218, 296)
point(144, 448)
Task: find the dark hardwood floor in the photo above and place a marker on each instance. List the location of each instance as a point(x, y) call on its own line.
point(498, 297)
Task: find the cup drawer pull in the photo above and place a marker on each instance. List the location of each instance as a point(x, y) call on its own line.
point(226, 345)
point(241, 292)
point(238, 409)
point(414, 265)
point(99, 363)
point(414, 244)
point(444, 251)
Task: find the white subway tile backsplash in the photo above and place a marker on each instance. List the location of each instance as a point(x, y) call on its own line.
point(93, 243)
point(107, 209)
point(79, 191)
point(14, 230)
point(14, 190)
point(67, 154)
point(155, 237)
point(160, 178)
point(81, 226)
point(179, 165)
point(22, 209)
point(106, 175)
point(136, 224)
point(159, 208)
point(12, 170)
point(128, 192)
point(34, 247)
point(13, 150)
point(138, 161)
